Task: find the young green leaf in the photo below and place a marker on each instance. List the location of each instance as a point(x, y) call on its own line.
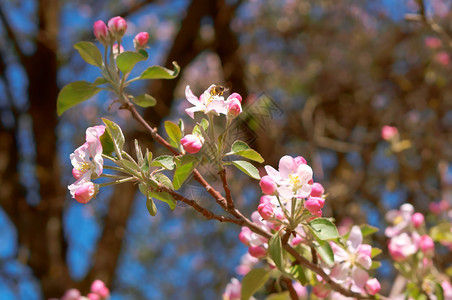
point(128, 59)
point(375, 265)
point(275, 250)
point(100, 81)
point(174, 133)
point(253, 281)
point(367, 229)
point(375, 252)
point(323, 229)
point(147, 161)
point(164, 161)
point(107, 144)
point(158, 72)
point(163, 179)
point(90, 53)
point(183, 170)
point(242, 149)
point(116, 135)
point(325, 252)
point(151, 206)
point(299, 274)
point(75, 93)
point(439, 292)
point(181, 126)
point(247, 168)
point(164, 197)
point(144, 100)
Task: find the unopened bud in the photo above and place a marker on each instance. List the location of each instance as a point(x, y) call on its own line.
point(140, 41)
point(101, 32)
point(117, 27)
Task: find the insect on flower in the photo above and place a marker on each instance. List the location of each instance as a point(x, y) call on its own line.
point(218, 90)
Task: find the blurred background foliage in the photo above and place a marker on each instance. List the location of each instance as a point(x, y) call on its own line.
point(334, 72)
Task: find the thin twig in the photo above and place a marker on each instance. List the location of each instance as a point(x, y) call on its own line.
point(229, 201)
point(292, 292)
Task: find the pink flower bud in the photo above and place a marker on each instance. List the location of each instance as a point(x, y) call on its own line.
point(435, 208)
point(443, 58)
point(268, 185)
point(317, 190)
point(72, 294)
point(140, 40)
point(432, 42)
point(265, 210)
point(76, 173)
point(299, 160)
point(245, 236)
point(389, 132)
point(427, 245)
point(417, 219)
point(85, 192)
point(234, 108)
point(296, 240)
point(98, 287)
point(191, 143)
point(314, 205)
point(373, 286)
point(117, 27)
point(257, 251)
point(235, 96)
point(101, 32)
point(92, 296)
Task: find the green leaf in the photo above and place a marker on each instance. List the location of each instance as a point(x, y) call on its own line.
point(375, 265)
point(279, 296)
point(139, 153)
point(164, 161)
point(375, 252)
point(150, 205)
point(163, 179)
point(174, 133)
point(323, 229)
point(247, 168)
point(242, 149)
point(299, 274)
point(439, 292)
point(147, 161)
point(275, 249)
point(181, 126)
point(75, 93)
point(325, 252)
point(253, 281)
point(367, 229)
point(116, 135)
point(144, 100)
point(158, 72)
point(128, 59)
point(100, 81)
point(107, 144)
point(164, 197)
point(128, 165)
point(90, 53)
point(183, 170)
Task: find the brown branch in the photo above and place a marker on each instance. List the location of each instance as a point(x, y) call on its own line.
point(292, 292)
point(229, 201)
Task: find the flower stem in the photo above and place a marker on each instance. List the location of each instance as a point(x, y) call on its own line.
point(117, 181)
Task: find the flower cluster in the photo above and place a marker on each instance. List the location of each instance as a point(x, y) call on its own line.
point(211, 102)
point(98, 291)
point(87, 164)
point(114, 31)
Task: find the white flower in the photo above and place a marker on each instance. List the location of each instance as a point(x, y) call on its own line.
point(206, 103)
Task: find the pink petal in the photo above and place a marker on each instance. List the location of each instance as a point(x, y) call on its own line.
point(286, 165)
point(191, 97)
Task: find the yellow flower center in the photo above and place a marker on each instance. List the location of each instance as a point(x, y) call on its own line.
point(398, 220)
point(294, 180)
point(83, 167)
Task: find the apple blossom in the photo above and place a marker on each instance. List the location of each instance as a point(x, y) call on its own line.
point(292, 178)
point(432, 42)
point(373, 286)
point(101, 32)
point(257, 251)
point(92, 296)
point(116, 50)
point(401, 247)
point(317, 190)
point(352, 263)
point(234, 105)
point(246, 263)
point(389, 132)
point(401, 219)
point(117, 27)
point(207, 102)
point(85, 192)
point(268, 185)
point(266, 210)
point(72, 294)
point(417, 219)
point(314, 205)
point(192, 143)
point(427, 245)
point(98, 287)
point(140, 40)
point(443, 58)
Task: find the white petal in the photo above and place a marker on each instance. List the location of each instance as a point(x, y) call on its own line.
point(272, 173)
point(365, 261)
point(285, 167)
point(354, 239)
point(217, 106)
point(359, 276)
point(191, 111)
point(191, 97)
